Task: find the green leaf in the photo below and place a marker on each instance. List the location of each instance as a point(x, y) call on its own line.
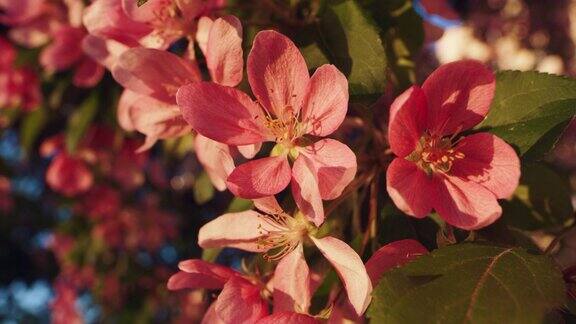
point(31, 127)
point(403, 34)
point(238, 205)
point(203, 189)
point(542, 200)
point(352, 42)
point(469, 283)
point(531, 110)
point(80, 121)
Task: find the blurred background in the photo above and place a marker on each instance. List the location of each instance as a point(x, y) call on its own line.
point(108, 254)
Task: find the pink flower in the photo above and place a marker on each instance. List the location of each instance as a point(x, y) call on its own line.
point(281, 237)
point(292, 110)
point(63, 307)
point(19, 87)
point(386, 258)
point(459, 176)
point(69, 175)
point(239, 301)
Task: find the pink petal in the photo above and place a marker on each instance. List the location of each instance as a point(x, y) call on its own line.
point(215, 158)
point(459, 96)
point(107, 19)
point(240, 302)
point(154, 72)
point(334, 164)
point(410, 187)
point(268, 205)
point(326, 101)
point(306, 191)
point(292, 283)
point(200, 274)
point(238, 230)
point(277, 73)
point(350, 269)
point(288, 318)
point(211, 317)
point(88, 73)
point(490, 162)
point(224, 114)
point(260, 178)
point(203, 33)
point(125, 104)
point(249, 151)
point(154, 118)
point(65, 49)
point(408, 117)
point(69, 175)
point(393, 255)
point(466, 204)
point(224, 55)
point(104, 51)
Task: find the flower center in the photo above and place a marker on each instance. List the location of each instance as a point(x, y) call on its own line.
point(435, 154)
point(169, 21)
point(282, 234)
point(286, 129)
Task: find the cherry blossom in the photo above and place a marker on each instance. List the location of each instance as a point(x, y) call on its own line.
point(293, 110)
point(459, 176)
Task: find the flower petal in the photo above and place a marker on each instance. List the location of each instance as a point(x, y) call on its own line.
point(268, 205)
point(292, 283)
point(240, 302)
point(410, 187)
point(203, 32)
point(215, 158)
point(104, 51)
point(260, 178)
point(88, 73)
point(306, 191)
point(459, 96)
point(350, 269)
point(68, 175)
point(107, 19)
point(157, 119)
point(200, 274)
point(65, 49)
point(153, 72)
point(288, 318)
point(238, 230)
point(408, 117)
point(393, 255)
point(277, 73)
point(249, 151)
point(224, 114)
point(466, 204)
point(211, 317)
point(125, 104)
point(334, 164)
point(224, 55)
point(326, 101)
point(490, 162)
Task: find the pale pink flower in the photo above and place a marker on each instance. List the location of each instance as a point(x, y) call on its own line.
point(459, 176)
point(239, 301)
point(152, 77)
point(281, 237)
point(293, 109)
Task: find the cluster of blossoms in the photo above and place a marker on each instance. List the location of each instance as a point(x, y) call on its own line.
point(256, 145)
